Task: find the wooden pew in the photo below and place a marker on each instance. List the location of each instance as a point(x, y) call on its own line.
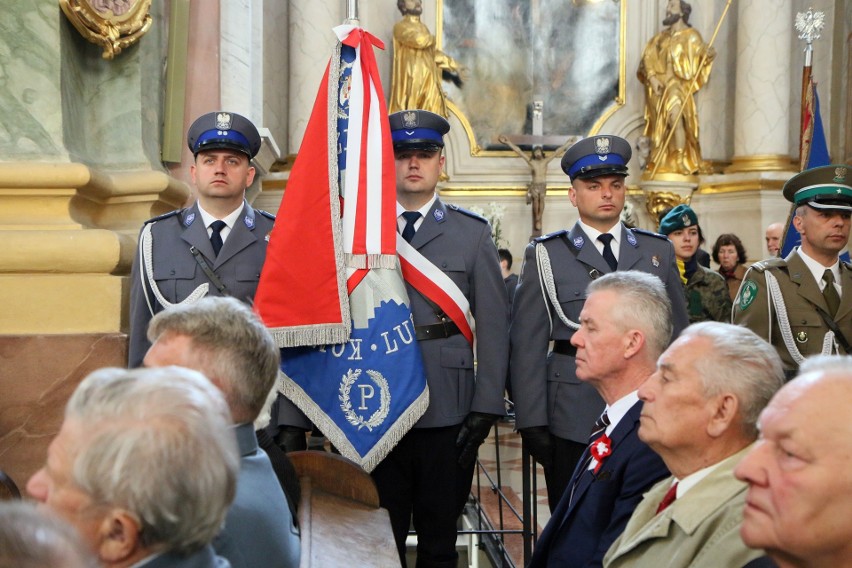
point(339, 515)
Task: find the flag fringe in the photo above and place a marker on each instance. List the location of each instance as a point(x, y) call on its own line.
point(364, 261)
point(309, 335)
point(338, 439)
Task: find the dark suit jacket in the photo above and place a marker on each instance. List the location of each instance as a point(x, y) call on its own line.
point(580, 532)
point(546, 389)
point(459, 243)
point(178, 274)
point(204, 558)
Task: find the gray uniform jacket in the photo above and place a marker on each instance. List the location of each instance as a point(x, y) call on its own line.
point(459, 243)
point(204, 558)
point(259, 528)
point(177, 273)
point(545, 387)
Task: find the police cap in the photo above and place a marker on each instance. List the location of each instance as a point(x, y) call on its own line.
point(597, 156)
point(679, 217)
point(418, 130)
point(825, 187)
point(223, 130)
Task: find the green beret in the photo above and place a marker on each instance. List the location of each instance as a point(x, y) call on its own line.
point(825, 187)
point(679, 217)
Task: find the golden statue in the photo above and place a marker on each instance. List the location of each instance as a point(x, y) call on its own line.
point(670, 64)
point(418, 66)
point(537, 188)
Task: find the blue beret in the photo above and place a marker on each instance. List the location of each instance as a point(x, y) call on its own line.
point(418, 130)
point(825, 187)
point(223, 130)
point(679, 217)
point(597, 156)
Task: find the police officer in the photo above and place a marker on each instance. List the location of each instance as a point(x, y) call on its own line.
point(217, 246)
point(427, 476)
point(554, 410)
point(707, 297)
point(802, 304)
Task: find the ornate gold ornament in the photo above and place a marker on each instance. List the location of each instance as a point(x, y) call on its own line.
point(112, 24)
point(658, 201)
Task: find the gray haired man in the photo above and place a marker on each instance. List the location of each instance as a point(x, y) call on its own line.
point(144, 466)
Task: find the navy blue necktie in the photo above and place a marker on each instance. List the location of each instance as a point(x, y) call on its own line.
point(216, 236)
point(606, 239)
point(601, 424)
point(411, 218)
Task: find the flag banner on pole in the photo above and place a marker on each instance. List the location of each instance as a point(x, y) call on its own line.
point(814, 154)
point(332, 290)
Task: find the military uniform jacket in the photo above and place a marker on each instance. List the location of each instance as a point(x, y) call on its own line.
point(545, 387)
point(707, 297)
point(177, 273)
point(699, 530)
point(459, 243)
point(204, 558)
point(801, 295)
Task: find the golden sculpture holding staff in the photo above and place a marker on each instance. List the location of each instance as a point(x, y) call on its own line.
point(418, 66)
point(671, 70)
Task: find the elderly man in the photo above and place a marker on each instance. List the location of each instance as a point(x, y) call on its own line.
point(225, 340)
point(774, 233)
point(144, 466)
point(624, 326)
point(34, 539)
point(800, 492)
point(700, 413)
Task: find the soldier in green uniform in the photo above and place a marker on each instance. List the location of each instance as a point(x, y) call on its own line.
point(802, 304)
point(707, 296)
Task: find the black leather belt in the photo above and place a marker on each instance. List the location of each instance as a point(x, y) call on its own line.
point(564, 347)
point(440, 330)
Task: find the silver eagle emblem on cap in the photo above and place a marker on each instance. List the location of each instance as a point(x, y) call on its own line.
point(686, 220)
point(409, 119)
point(840, 174)
point(602, 145)
point(223, 121)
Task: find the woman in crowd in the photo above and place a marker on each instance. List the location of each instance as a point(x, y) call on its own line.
point(730, 255)
point(706, 294)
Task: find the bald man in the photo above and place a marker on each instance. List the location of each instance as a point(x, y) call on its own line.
point(774, 233)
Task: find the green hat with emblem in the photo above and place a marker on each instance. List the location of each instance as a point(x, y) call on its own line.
point(825, 187)
point(679, 217)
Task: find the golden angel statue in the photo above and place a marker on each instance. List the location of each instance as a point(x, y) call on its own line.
point(671, 70)
point(418, 67)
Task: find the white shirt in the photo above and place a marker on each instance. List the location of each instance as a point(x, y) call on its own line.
point(818, 270)
point(615, 413)
point(693, 479)
point(593, 234)
point(229, 220)
point(400, 220)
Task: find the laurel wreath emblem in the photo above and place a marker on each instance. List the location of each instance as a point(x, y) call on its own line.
point(346, 404)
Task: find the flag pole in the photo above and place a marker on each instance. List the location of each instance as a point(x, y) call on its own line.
point(809, 25)
point(352, 12)
point(661, 150)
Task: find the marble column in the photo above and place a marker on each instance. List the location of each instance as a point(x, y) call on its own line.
point(761, 107)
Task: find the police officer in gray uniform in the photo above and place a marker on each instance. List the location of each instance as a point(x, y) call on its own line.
point(554, 410)
point(428, 475)
point(217, 246)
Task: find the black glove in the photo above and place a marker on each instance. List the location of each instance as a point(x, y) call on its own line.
point(473, 432)
point(291, 438)
point(538, 442)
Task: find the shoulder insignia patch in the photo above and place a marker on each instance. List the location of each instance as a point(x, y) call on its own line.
point(266, 214)
point(549, 236)
point(647, 233)
point(748, 292)
point(463, 211)
point(163, 216)
point(631, 238)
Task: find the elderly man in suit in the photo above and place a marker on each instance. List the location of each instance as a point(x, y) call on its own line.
point(427, 476)
point(215, 247)
point(144, 466)
point(799, 488)
point(223, 339)
point(553, 408)
point(625, 325)
point(802, 304)
point(700, 415)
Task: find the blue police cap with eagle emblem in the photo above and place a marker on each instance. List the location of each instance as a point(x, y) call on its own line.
point(597, 156)
point(418, 130)
point(825, 187)
point(223, 130)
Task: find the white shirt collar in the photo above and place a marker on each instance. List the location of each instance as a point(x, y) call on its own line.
point(593, 235)
point(400, 221)
point(616, 411)
point(817, 269)
point(230, 220)
point(693, 479)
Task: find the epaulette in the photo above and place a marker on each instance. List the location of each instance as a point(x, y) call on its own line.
point(847, 265)
point(163, 216)
point(466, 212)
point(648, 233)
point(762, 265)
point(266, 214)
point(549, 236)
